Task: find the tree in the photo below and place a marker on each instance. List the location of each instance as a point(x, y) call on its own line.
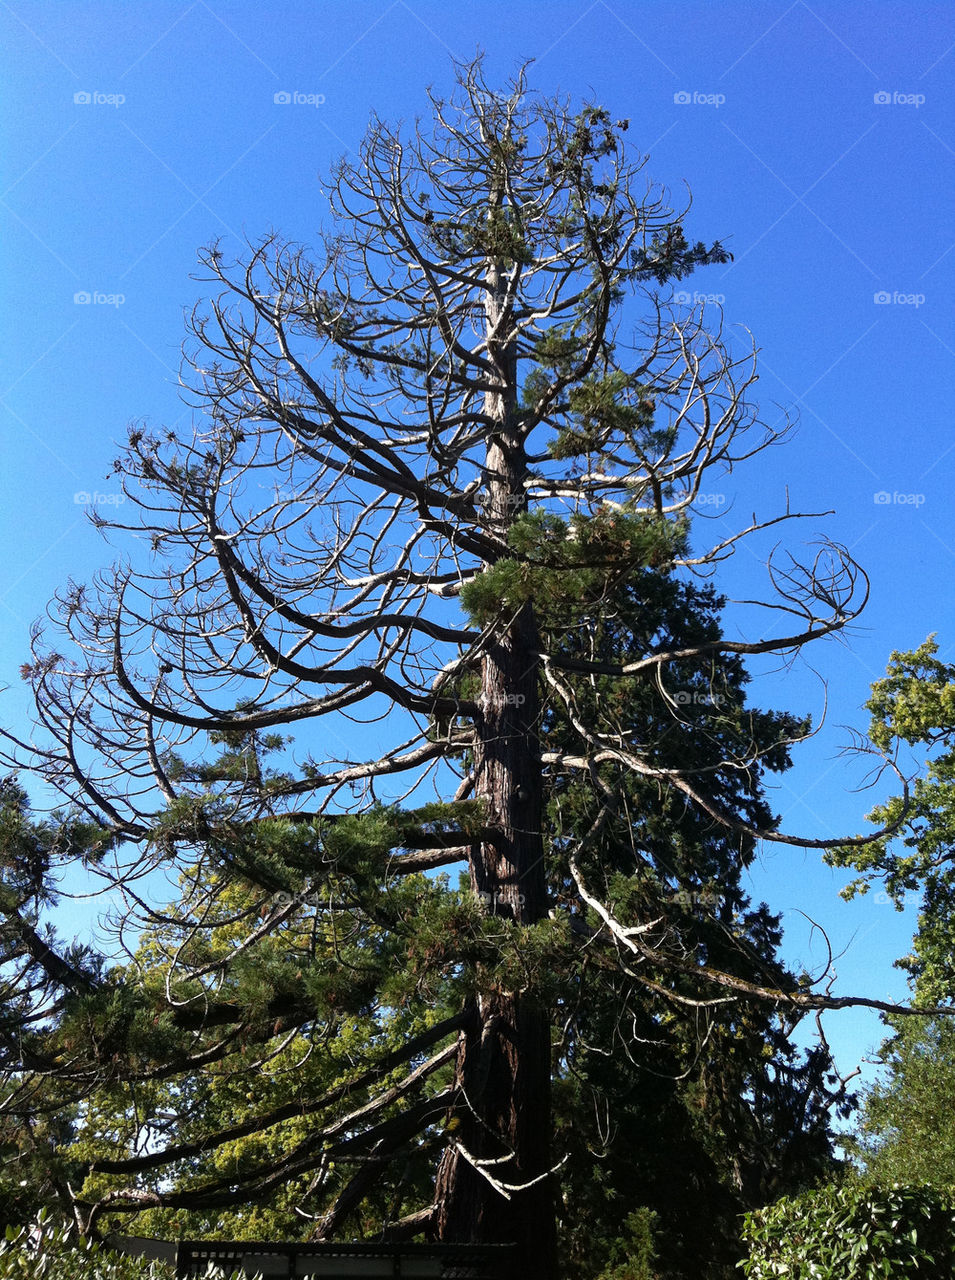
point(431, 478)
point(34, 1170)
point(646, 1067)
point(914, 705)
point(904, 1133)
point(903, 1130)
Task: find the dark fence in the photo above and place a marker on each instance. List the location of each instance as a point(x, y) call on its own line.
point(331, 1261)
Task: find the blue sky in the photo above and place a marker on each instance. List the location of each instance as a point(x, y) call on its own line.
point(817, 142)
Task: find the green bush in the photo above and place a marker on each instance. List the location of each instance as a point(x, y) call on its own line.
point(46, 1251)
point(854, 1232)
point(49, 1251)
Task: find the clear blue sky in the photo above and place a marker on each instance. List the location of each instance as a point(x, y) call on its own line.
point(817, 141)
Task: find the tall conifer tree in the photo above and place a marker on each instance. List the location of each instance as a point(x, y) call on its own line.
point(440, 487)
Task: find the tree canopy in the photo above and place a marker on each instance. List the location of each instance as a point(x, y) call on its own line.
point(913, 705)
point(903, 1130)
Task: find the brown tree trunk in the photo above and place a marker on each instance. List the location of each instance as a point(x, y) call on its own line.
point(504, 1062)
point(503, 1067)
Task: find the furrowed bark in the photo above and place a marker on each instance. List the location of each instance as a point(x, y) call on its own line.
point(503, 1070)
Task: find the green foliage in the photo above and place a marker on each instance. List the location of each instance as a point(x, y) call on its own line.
point(914, 706)
point(694, 1118)
point(43, 1251)
point(631, 1256)
point(571, 565)
point(853, 1232)
point(904, 1131)
point(608, 410)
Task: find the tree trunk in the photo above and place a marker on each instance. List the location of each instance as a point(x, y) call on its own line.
point(503, 1067)
point(504, 1062)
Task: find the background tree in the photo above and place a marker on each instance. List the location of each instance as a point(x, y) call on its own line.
point(35, 1170)
point(431, 470)
point(914, 706)
point(904, 1132)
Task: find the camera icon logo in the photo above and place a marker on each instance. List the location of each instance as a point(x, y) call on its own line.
point(681, 98)
point(82, 98)
point(82, 299)
point(882, 297)
point(881, 98)
point(882, 498)
point(282, 98)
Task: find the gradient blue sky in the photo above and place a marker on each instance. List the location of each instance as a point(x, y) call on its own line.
point(817, 142)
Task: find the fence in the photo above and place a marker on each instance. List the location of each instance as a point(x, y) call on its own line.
point(330, 1261)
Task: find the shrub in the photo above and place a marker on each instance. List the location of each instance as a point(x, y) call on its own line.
point(49, 1251)
point(853, 1232)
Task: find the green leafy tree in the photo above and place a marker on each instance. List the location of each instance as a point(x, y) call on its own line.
point(433, 490)
point(913, 706)
point(904, 1132)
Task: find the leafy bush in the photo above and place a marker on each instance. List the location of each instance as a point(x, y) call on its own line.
point(853, 1232)
point(49, 1251)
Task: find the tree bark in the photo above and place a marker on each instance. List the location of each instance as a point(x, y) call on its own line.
point(503, 1068)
